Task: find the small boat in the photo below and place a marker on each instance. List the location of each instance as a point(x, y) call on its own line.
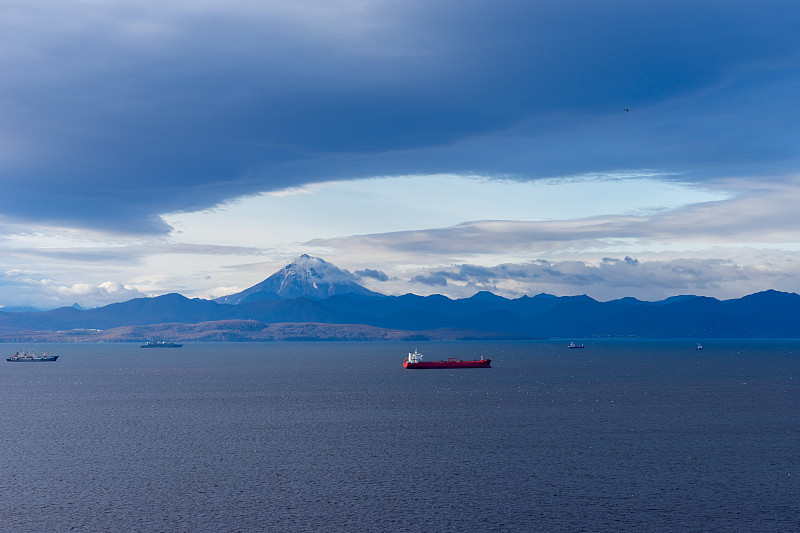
point(31, 357)
point(699, 347)
point(572, 345)
point(160, 344)
point(414, 360)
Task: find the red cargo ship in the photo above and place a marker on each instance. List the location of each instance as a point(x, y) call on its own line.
point(414, 360)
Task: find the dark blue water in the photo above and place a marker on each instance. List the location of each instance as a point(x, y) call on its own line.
point(620, 436)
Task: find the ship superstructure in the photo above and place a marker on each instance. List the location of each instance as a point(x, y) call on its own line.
point(31, 357)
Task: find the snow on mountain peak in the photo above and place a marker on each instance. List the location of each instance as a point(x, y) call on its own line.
point(306, 276)
point(308, 269)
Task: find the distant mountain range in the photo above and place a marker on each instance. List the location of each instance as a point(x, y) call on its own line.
point(312, 299)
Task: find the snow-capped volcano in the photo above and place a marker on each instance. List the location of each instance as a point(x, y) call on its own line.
point(306, 276)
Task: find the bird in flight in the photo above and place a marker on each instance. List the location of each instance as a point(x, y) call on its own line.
point(626, 109)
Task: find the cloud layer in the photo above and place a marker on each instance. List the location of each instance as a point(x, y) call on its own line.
point(609, 278)
point(123, 123)
point(114, 113)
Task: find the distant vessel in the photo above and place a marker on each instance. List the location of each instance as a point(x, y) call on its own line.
point(414, 360)
point(699, 347)
point(573, 345)
point(160, 344)
point(31, 357)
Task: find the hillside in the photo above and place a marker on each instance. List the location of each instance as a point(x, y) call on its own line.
point(247, 331)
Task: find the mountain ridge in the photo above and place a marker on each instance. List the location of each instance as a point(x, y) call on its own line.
point(764, 314)
point(330, 296)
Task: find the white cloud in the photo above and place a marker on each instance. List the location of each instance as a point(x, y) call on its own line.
point(612, 277)
point(90, 295)
point(216, 252)
point(763, 214)
point(26, 288)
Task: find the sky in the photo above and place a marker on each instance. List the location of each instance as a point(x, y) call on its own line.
point(610, 148)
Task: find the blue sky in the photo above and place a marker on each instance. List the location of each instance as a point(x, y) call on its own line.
point(197, 147)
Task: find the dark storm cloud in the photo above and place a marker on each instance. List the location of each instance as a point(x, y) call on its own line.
point(113, 113)
point(437, 279)
point(372, 273)
point(464, 273)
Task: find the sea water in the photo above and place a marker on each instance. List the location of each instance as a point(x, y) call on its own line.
point(619, 436)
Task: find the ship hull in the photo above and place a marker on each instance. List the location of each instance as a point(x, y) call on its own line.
point(31, 359)
point(163, 345)
point(483, 363)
